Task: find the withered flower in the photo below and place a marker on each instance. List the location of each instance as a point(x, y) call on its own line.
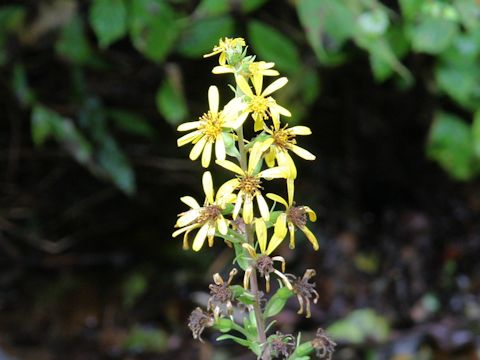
point(323, 345)
point(198, 321)
point(221, 294)
point(281, 344)
point(304, 290)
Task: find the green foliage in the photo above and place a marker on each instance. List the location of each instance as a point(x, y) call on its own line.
point(170, 102)
point(359, 326)
point(143, 339)
point(108, 18)
point(277, 302)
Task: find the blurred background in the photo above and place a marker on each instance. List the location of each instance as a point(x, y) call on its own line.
point(91, 93)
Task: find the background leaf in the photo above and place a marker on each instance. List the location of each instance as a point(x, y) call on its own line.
point(108, 19)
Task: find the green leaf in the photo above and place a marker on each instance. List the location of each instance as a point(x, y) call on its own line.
point(476, 134)
point(242, 295)
point(411, 8)
point(238, 340)
point(12, 18)
point(134, 286)
point(171, 102)
point(450, 144)
point(241, 256)
point(131, 122)
point(277, 302)
point(208, 8)
point(302, 351)
point(374, 22)
point(433, 35)
point(20, 86)
point(72, 43)
point(327, 24)
point(108, 19)
point(469, 13)
point(271, 45)
point(145, 339)
point(153, 28)
point(42, 124)
point(251, 5)
point(200, 37)
point(116, 165)
point(359, 326)
point(462, 83)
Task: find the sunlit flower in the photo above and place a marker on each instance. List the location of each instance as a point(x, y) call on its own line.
point(293, 217)
point(260, 104)
point(279, 142)
point(226, 47)
point(209, 129)
point(263, 262)
point(248, 184)
point(304, 291)
point(207, 218)
point(221, 294)
point(255, 70)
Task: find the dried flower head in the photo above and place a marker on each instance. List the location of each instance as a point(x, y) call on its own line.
point(281, 345)
point(198, 321)
point(304, 290)
point(221, 294)
point(323, 345)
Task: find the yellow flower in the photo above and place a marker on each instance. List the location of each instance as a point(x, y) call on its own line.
point(263, 262)
point(227, 46)
point(260, 104)
point(207, 218)
point(209, 129)
point(255, 70)
point(248, 184)
point(278, 143)
point(293, 217)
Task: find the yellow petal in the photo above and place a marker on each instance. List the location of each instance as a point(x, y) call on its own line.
point(285, 160)
point(273, 244)
point(182, 230)
point(200, 238)
point(190, 201)
point(280, 229)
point(311, 214)
point(270, 72)
point(220, 148)
point(197, 149)
point(278, 199)
point(274, 173)
point(261, 230)
point(258, 123)
point(213, 98)
point(248, 210)
point(270, 158)
point(290, 190)
point(207, 183)
point(222, 225)
point(277, 109)
point(250, 250)
point(188, 126)
point(262, 205)
point(291, 230)
point(227, 188)
point(300, 130)
point(207, 154)
point(257, 81)
point(185, 139)
point(310, 237)
point(187, 217)
point(227, 164)
point(238, 121)
point(222, 70)
point(277, 84)
point(243, 85)
point(305, 154)
point(237, 207)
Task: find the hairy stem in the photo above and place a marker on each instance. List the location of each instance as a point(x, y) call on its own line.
point(262, 336)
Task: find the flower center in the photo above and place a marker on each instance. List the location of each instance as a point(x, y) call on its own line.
point(209, 213)
point(264, 265)
point(221, 293)
point(297, 215)
point(211, 125)
point(283, 138)
point(259, 105)
point(249, 184)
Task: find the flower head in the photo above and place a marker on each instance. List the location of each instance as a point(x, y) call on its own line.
point(263, 262)
point(221, 294)
point(281, 344)
point(247, 184)
point(260, 104)
point(278, 143)
point(210, 129)
point(323, 345)
point(294, 217)
point(228, 49)
point(304, 290)
point(207, 219)
point(198, 321)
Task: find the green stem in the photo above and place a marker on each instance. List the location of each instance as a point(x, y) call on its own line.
point(262, 336)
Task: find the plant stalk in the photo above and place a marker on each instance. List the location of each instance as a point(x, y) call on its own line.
point(262, 336)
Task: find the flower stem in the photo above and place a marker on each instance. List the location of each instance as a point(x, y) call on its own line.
point(262, 336)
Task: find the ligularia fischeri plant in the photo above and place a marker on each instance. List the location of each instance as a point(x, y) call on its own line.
point(238, 211)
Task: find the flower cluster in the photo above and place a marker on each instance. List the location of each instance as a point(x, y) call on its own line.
point(240, 211)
